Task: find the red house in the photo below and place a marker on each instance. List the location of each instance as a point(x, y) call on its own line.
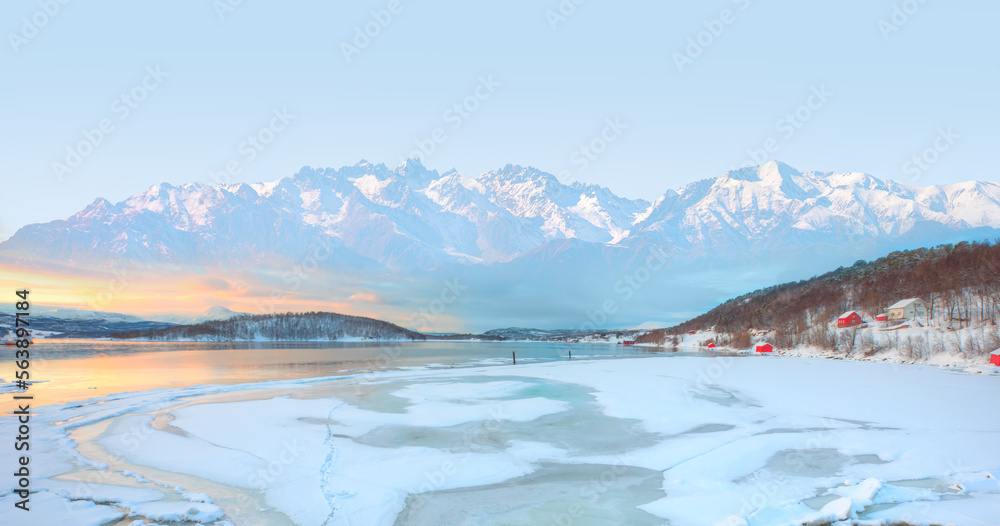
point(995, 357)
point(628, 342)
point(764, 347)
point(691, 332)
point(882, 317)
point(711, 346)
point(849, 319)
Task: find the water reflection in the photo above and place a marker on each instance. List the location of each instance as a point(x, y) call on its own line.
point(72, 370)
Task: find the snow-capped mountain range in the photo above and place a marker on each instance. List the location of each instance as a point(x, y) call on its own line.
point(414, 218)
point(518, 231)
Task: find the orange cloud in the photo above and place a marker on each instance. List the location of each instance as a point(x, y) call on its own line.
point(363, 296)
point(140, 292)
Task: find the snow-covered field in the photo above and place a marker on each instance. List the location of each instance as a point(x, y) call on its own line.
point(689, 440)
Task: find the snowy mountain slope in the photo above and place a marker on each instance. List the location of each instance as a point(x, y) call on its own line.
point(404, 218)
point(413, 218)
point(529, 244)
point(586, 212)
point(774, 204)
point(74, 323)
point(76, 314)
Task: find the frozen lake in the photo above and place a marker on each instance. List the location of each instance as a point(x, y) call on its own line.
point(454, 434)
point(77, 370)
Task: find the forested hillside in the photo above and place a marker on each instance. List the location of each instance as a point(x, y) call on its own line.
point(960, 285)
point(306, 326)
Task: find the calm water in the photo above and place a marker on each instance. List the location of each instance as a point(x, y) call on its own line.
point(72, 370)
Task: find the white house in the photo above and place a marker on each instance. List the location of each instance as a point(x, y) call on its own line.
point(906, 309)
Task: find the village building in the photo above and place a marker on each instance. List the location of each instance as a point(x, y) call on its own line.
point(907, 309)
point(764, 347)
point(849, 319)
point(995, 357)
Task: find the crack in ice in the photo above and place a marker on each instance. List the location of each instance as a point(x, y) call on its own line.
point(327, 469)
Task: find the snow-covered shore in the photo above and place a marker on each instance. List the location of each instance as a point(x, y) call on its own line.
point(881, 344)
point(732, 440)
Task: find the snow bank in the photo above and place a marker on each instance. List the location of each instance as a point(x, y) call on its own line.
point(738, 440)
point(47, 508)
point(178, 512)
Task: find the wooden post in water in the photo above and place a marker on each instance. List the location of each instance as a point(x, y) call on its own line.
point(514, 356)
point(571, 355)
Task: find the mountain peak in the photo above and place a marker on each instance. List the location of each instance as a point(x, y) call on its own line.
point(98, 208)
point(218, 312)
point(414, 171)
point(412, 162)
point(775, 175)
point(777, 168)
point(308, 172)
point(771, 170)
point(517, 173)
point(411, 217)
point(99, 203)
point(749, 174)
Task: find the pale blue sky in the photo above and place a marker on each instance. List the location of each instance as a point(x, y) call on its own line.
point(557, 88)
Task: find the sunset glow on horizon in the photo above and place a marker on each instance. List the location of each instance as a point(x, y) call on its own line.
point(185, 294)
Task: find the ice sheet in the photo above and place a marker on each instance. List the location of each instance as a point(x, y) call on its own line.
point(745, 440)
